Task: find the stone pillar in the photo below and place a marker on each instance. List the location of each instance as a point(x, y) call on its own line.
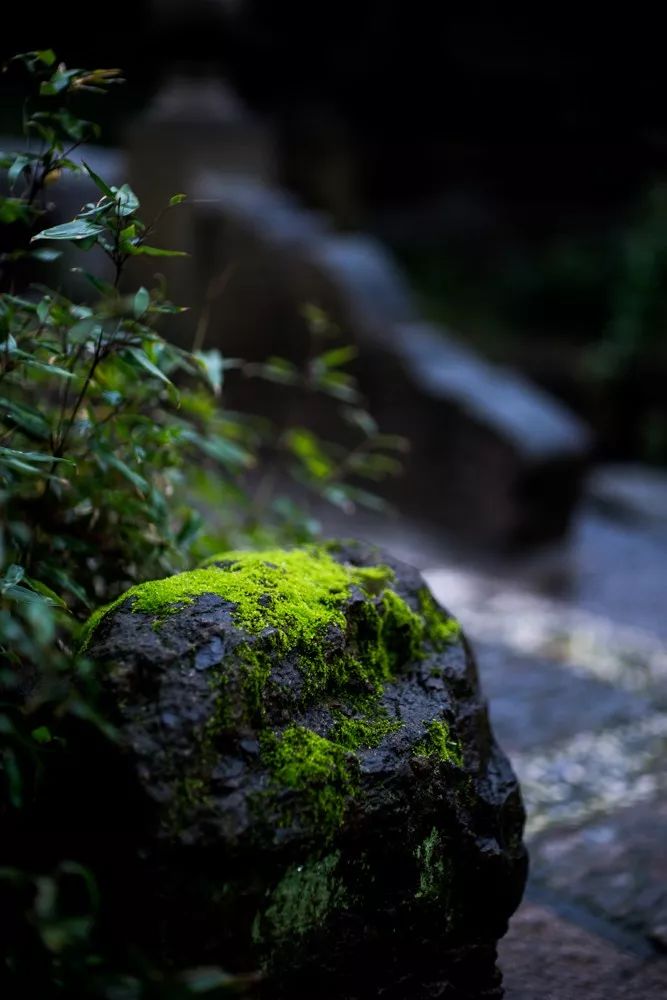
point(195, 124)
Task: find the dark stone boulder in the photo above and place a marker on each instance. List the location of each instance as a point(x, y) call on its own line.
point(311, 788)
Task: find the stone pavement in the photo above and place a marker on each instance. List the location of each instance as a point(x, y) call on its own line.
point(572, 651)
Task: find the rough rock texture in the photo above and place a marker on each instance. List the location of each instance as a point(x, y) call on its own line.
point(312, 789)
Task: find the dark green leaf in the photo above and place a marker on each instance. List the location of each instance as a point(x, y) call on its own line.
point(47, 56)
point(338, 496)
point(29, 420)
point(338, 356)
point(102, 185)
point(103, 287)
point(49, 369)
point(76, 230)
point(305, 446)
point(17, 168)
point(9, 765)
point(365, 499)
point(83, 330)
point(142, 359)
point(43, 310)
point(126, 200)
point(65, 581)
point(22, 595)
point(392, 442)
point(42, 734)
point(213, 366)
point(14, 210)
point(222, 450)
point(142, 301)
point(13, 576)
point(361, 419)
point(12, 455)
point(41, 588)
point(74, 128)
point(133, 477)
point(276, 370)
point(58, 82)
point(143, 250)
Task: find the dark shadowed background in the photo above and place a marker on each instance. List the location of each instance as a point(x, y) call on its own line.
point(513, 164)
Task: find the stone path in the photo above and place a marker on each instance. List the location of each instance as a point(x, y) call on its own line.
point(577, 686)
point(572, 652)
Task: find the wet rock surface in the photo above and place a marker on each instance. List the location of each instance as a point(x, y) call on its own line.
point(353, 831)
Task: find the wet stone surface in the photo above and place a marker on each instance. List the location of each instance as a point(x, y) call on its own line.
point(549, 956)
point(551, 702)
point(614, 867)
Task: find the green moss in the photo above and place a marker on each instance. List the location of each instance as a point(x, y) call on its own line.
point(439, 743)
point(374, 579)
point(439, 630)
point(355, 734)
point(320, 771)
point(434, 871)
point(256, 669)
point(301, 902)
point(295, 601)
point(323, 771)
point(402, 632)
point(298, 591)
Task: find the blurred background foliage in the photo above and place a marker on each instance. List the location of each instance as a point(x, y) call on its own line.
point(515, 163)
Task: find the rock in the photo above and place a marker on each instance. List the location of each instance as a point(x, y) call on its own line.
point(306, 802)
point(631, 491)
point(193, 124)
point(493, 458)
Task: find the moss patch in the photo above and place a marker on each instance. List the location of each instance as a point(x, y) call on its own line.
point(434, 870)
point(439, 743)
point(438, 629)
point(356, 734)
point(402, 632)
point(299, 610)
point(298, 591)
point(293, 601)
point(302, 901)
point(321, 771)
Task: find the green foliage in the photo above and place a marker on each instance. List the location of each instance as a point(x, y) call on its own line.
point(111, 442)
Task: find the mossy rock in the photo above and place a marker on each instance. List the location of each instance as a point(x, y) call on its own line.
point(316, 795)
